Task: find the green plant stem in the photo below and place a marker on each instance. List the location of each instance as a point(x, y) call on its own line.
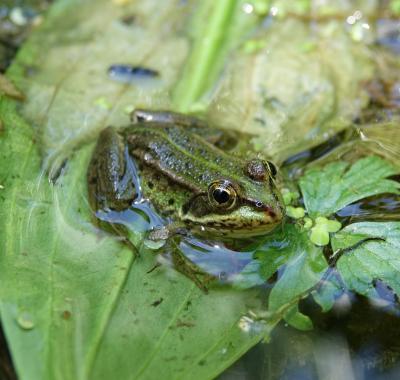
point(206, 49)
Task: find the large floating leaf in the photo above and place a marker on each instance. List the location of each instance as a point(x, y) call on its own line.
point(74, 302)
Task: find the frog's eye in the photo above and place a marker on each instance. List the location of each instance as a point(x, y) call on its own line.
point(222, 194)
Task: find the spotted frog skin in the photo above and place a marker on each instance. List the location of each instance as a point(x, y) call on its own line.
point(187, 174)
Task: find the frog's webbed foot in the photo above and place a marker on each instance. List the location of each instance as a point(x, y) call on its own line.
point(164, 237)
point(183, 265)
point(121, 231)
point(167, 231)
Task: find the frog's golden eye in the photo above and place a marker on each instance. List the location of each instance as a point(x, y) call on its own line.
point(222, 194)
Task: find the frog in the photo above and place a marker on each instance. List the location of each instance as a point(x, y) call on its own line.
point(190, 175)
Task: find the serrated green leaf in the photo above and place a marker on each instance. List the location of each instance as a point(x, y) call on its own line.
point(375, 256)
point(274, 252)
point(329, 189)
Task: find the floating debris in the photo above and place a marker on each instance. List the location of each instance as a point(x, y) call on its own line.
point(18, 17)
point(128, 73)
point(7, 88)
point(66, 315)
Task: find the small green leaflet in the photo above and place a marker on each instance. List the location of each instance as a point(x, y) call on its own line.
point(327, 190)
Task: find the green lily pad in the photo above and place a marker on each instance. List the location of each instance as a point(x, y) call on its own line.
point(75, 303)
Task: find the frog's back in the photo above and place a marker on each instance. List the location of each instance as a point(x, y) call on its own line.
point(182, 155)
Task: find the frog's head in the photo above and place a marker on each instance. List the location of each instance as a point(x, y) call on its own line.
point(238, 206)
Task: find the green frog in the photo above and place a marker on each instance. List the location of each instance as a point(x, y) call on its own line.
point(187, 173)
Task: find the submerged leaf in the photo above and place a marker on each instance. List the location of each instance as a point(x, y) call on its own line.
point(305, 83)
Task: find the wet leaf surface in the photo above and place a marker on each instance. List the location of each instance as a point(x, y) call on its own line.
point(75, 303)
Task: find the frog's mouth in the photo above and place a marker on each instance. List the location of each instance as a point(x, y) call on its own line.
point(246, 223)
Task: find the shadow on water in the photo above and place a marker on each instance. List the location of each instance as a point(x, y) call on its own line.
point(7, 371)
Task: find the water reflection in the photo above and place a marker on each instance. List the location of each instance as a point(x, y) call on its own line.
point(386, 207)
point(139, 218)
point(225, 264)
point(388, 34)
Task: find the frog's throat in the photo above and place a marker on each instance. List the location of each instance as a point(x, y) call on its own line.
point(235, 232)
point(233, 228)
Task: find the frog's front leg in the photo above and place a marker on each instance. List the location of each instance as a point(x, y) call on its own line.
point(110, 178)
point(111, 183)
